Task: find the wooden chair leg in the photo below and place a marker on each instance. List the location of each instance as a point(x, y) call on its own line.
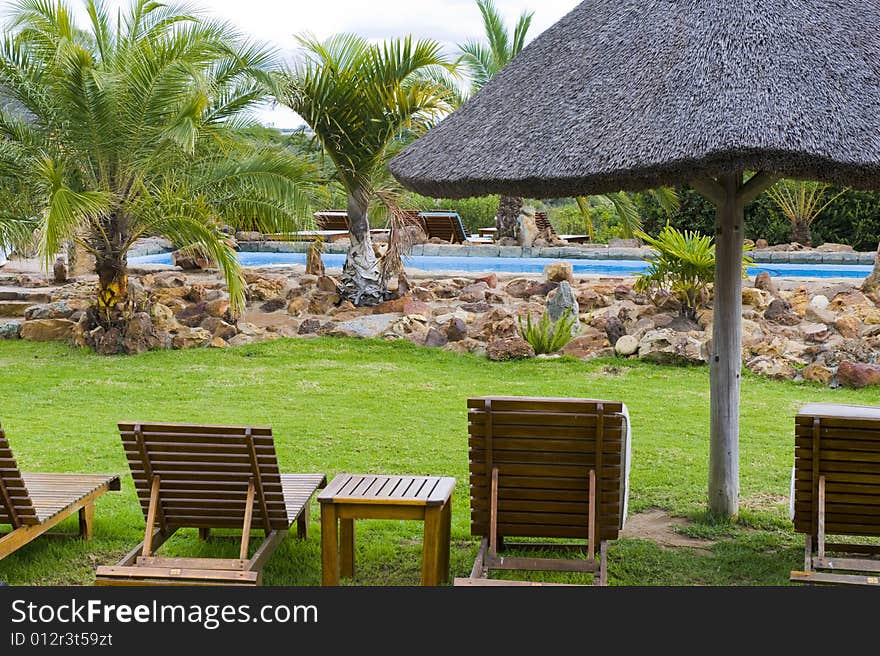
point(346, 547)
point(493, 514)
point(87, 521)
point(302, 523)
point(808, 553)
point(204, 534)
point(329, 545)
point(431, 545)
point(603, 563)
point(446, 536)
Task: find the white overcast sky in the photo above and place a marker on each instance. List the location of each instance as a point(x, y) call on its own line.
point(449, 21)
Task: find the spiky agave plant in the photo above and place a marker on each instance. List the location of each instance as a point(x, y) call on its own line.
point(801, 202)
point(127, 127)
point(547, 335)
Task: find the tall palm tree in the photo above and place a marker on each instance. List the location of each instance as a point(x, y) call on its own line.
point(360, 99)
point(483, 60)
point(128, 127)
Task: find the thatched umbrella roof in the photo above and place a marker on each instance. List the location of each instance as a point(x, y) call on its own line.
point(632, 94)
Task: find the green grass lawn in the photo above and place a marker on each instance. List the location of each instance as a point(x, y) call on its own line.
point(368, 406)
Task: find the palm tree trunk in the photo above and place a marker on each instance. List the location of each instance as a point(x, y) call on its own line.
point(112, 270)
point(361, 280)
point(507, 219)
point(800, 233)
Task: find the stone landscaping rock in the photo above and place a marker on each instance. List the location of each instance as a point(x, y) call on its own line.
point(47, 330)
point(191, 338)
point(562, 303)
point(266, 288)
point(757, 298)
point(219, 328)
point(667, 346)
point(309, 326)
point(192, 315)
point(559, 271)
point(298, 306)
point(10, 330)
point(525, 288)
point(510, 348)
point(849, 326)
point(819, 302)
point(217, 307)
point(780, 311)
point(322, 302)
point(474, 293)
point(490, 279)
point(815, 332)
point(274, 305)
point(435, 338)
point(587, 345)
point(476, 308)
point(615, 330)
point(58, 310)
point(771, 368)
point(589, 299)
point(327, 284)
point(858, 374)
point(415, 307)
point(456, 330)
point(820, 315)
point(626, 345)
point(764, 282)
point(369, 326)
point(818, 374)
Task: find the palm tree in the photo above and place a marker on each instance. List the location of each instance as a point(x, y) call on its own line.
point(129, 127)
point(801, 203)
point(483, 60)
point(360, 100)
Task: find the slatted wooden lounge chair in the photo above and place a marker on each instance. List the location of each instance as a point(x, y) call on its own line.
point(836, 491)
point(34, 503)
point(546, 468)
point(332, 220)
point(542, 222)
point(208, 477)
point(449, 227)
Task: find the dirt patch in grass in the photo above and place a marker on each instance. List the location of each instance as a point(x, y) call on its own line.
point(659, 527)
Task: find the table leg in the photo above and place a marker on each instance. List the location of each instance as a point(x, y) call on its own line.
point(329, 545)
point(446, 536)
point(431, 547)
point(346, 539)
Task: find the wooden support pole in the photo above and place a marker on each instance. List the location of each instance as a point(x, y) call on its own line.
point(493, 514)
point(591, 521)
point(248, 519)
point(87, 521)
point(821, 515)
point(151, 517)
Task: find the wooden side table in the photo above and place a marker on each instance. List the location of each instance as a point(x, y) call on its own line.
point(367, 496)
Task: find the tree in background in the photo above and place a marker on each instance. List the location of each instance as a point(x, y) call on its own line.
point(483, 60)
point(361, 100)
point(801, 202)
point(127, 128)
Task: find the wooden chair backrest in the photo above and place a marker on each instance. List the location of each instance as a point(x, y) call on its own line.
point(444, 225)
point(332, 220)
point(204, 473)
point(16, 507)
point(542, 222)
point(841, 443)
point(544, 449)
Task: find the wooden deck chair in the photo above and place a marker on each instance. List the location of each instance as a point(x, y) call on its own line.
point(208, 477)
point(34, 503)
point(542, 222)
point(836, 491)
point(449, 227)
point(332, 220)
point(546, 468)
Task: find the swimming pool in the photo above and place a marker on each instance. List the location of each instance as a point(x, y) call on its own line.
point(530, 265)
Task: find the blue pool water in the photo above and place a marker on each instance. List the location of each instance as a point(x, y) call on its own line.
point(532, 265)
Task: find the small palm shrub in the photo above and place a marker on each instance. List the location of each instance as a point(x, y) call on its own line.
point(547, 336)
point(684, 267)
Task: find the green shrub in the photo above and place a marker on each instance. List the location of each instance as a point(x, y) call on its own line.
point(684, 267)
point(547, 336)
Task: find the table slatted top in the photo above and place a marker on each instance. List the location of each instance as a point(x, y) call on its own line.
point(394, 490)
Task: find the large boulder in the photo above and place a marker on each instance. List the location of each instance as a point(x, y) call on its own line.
point(769, 367)
point(849, 326)
point(858, 374)
point(266, 288)
point(562, 303)
point(436, 338)
point(626, 345)
point(192, 315)
point(665, 346)
point(47, 330)
point(764, 282)
point(510, 348)
point(219, 328)
point(456, 330)
point(816, 373)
